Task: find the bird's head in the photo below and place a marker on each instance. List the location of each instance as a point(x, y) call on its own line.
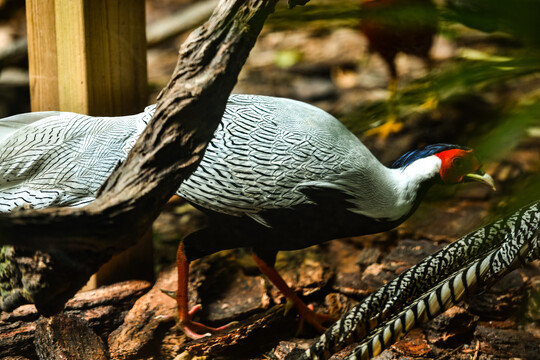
point(457, 163)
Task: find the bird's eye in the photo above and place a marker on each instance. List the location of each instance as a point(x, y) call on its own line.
point(457, 163)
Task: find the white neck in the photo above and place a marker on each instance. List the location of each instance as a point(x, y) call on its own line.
point(395, 191)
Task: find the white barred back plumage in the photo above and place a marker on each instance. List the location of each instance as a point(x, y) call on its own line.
point(267, 153)
point(265, 150)
point(263, 153)
point(59, 158)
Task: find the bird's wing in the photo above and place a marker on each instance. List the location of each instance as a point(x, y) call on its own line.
point(60, 159)
point(322, 191)
point(263, 152)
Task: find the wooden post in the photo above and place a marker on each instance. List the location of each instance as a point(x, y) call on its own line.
point(89, 56)
point(42, 55)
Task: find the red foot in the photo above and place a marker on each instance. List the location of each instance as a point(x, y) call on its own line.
point(306, 312)
point(197, 330)
point(191, 328)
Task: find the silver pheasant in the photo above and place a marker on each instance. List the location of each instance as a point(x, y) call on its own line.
point(278, 175)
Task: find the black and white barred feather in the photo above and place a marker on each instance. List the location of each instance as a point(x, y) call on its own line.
point(264, 153)
point(266, 150)
point(434, 285)
point(59, 158)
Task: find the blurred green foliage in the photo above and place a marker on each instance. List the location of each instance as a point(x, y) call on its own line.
point(315, 14)
point(518, 18)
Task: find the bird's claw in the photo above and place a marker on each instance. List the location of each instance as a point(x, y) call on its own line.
point(170, 293)
point(288, 306)
point(196, 330)
point(193, 329)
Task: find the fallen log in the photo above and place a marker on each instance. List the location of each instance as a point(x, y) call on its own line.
point(103, 309)
point(65, 336)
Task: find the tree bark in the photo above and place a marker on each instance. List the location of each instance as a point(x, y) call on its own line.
point(104, 309)
point(68, 337)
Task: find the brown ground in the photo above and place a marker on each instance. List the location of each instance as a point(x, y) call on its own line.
point(328, 68)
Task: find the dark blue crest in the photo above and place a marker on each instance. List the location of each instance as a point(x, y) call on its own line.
point(413, 155)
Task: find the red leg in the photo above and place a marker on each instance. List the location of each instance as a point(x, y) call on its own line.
point(192, 329)
point(306, 313)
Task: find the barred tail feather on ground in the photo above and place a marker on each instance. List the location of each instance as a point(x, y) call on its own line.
point(473, 262)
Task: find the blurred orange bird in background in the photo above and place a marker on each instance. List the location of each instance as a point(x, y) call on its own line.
point(394, 26)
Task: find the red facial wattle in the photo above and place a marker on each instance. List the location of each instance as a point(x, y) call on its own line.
point(456, 163)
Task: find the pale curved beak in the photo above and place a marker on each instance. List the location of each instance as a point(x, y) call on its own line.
point(483, 178)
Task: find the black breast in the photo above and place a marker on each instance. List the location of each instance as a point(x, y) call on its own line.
point(289, 228)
